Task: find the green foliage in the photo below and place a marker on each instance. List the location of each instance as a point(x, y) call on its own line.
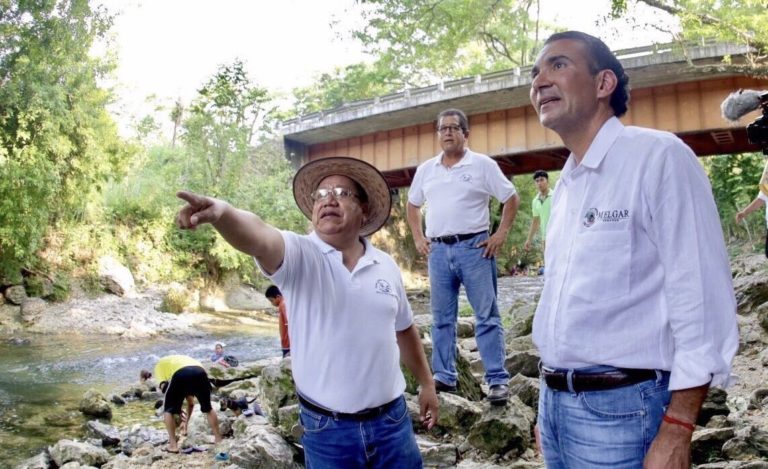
point(221, 125)
point(466, 311)
point(735, 180)
point(736, 21)
point(417, 43)
point(57, 142)
point(426, 40)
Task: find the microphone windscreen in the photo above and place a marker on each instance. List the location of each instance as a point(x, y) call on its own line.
point(740, 103)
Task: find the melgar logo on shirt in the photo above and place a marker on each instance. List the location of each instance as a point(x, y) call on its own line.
point(606, 216)
point(382, 286)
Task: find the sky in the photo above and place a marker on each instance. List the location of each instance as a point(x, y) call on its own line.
point(169, 48)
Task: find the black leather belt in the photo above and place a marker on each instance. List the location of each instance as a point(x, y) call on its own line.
point(365, 414)
point(600, 381)
point(452, 239)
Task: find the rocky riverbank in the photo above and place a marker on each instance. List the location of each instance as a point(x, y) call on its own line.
point(732, 431)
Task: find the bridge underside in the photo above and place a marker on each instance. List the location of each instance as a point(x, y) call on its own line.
point(724, 141)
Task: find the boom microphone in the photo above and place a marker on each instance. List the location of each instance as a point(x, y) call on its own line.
point(740, 103)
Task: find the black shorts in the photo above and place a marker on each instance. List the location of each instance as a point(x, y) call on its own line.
point(188, 381)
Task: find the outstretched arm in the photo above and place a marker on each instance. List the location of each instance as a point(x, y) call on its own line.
point(244, 230)
point(412, 355)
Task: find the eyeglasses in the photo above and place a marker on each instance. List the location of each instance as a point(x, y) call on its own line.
point(444, 129)
point(336, 192)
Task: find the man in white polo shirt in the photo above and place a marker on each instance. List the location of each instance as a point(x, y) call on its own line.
point(760, 201)
point(456, 186)
point(350, 322)
point(637, 316)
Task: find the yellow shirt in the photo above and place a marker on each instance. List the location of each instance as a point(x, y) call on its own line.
point(168, 365)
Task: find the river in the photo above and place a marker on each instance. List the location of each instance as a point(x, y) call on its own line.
point(43, 377)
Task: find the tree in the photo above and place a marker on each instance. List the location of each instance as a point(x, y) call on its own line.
point(431, 40)
point(57, 142)
point(221, 125)
point(736, 21)
point(419, 42)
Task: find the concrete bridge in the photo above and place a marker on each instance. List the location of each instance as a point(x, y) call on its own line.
point(672, 89)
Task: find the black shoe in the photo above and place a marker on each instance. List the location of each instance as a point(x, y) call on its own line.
point(498, 394)
point(442, 387)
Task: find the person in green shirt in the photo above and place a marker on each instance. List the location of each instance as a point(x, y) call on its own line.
point(182, 377)
point(540, 208)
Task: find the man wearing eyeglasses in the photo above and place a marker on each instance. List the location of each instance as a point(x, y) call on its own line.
point(350, 322)
point(456, 187)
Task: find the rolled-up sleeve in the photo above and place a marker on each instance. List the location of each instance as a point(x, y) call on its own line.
point(698, 289)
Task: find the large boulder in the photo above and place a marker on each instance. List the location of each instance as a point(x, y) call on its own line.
point(39, 461)
point(95, 404)
point(223, 376)
point(707, 444)
point(108, 434)
point(503, 429)
point(751, 291)
point(16, 294)
point(139, 436)
point(525, 362)
point(262, 447)
point(437, 454)
point(525, 388)
point(115, 277)
point(467, 386)
point(85, 454)
point(276, 389)
point(32, 309)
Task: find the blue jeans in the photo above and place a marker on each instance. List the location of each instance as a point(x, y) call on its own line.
point(451, 265)
point(384, 442)
point(612, 428)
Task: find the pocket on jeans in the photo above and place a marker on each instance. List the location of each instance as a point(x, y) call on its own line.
point(313, 422)
point(397, 413)
point(619, 403)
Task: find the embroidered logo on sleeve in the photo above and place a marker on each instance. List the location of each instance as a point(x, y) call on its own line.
point(604, 216)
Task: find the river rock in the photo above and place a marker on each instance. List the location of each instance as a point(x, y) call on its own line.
point(758, 399)
point(138, 436)
point(83, 453)
point(223, 376)
point(525, 388)
point(32, 309)
point(714, 404)
point(526, 363)
point(263, 448)
point(437, 454)
point(16, 294)
point(707, 444)
point(465, 327)
point(115, 277)
point(108, 434)
point(287, 417)
point(276, 389)
point(503, 429)
point(457, 414)
point(39, 461)
point(95, 404)
point(751, 291)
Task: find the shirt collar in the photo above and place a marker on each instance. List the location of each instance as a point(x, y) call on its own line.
point(370, 256)
point(599, 147)
point(465, 160)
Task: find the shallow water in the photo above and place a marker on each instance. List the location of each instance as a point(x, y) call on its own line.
point(43, 380)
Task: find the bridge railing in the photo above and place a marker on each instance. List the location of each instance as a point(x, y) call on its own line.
point(630, 58)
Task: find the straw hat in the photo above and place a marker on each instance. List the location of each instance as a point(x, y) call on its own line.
point(370, 179)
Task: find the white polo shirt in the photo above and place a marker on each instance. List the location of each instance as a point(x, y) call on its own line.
point(457, 197)
point(342, 324)
point(637, 271)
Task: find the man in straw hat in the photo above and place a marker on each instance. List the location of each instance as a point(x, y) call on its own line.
point(350, 321)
